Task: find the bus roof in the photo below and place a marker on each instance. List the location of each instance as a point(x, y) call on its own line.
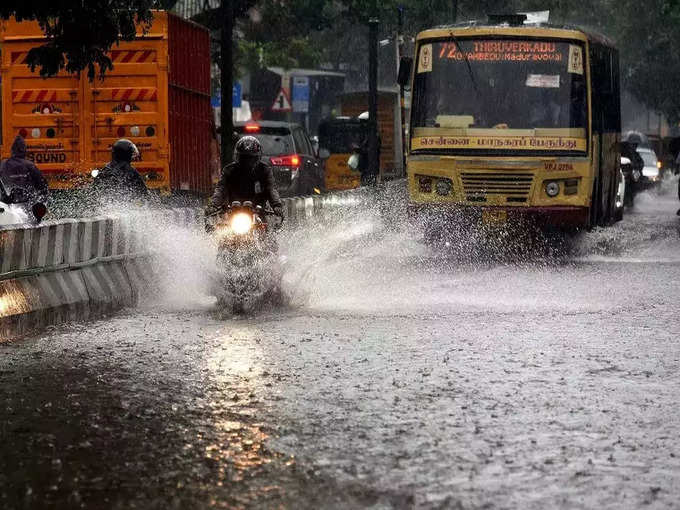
point(472, 28)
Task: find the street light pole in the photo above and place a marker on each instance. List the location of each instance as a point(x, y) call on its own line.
point(402, 104)
point(373, 157)
point(226, 81)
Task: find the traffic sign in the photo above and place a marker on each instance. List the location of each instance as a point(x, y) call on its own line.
point(236, 95)
point(216, 99)
point(282, 102)
point(301, 94)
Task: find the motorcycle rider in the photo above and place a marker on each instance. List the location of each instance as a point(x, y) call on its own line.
point(629, 150)
point(118, 181)
point(246, 179)
point(17, 172)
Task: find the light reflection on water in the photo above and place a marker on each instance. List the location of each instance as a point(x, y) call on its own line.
point(11, 303)
point(239, 448)
point(236, 354)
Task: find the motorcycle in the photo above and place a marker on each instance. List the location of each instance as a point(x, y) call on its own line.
point(16, 209)
point(632, 175)
point(248, 266)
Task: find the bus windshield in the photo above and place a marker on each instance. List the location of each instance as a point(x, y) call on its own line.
point(500, 94)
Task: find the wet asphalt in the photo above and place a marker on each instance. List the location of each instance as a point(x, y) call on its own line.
point(398, 376)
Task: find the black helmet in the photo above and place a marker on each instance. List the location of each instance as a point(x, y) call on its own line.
point(248, 146)
point(247, 152)
point(124, 150)
point(634, 137)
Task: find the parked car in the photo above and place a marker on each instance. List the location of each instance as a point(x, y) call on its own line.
point(651, 171)
point(286, 147)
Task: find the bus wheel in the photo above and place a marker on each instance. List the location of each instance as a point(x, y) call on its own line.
point(594, 206)
point(602, 212)
point(605, 211)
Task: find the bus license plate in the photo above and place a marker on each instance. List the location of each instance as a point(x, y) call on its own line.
point(494, 217)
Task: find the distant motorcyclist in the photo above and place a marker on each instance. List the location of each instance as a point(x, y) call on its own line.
point(369, 176)
point(633, 174)
point(248, 178)
point(118, 181)
point(19, 173)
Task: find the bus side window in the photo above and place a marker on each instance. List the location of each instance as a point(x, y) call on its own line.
point(599, 86)
point(605, 89)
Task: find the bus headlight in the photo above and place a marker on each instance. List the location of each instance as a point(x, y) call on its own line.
point(444, 187)
point(552, 189)
point(241, 222)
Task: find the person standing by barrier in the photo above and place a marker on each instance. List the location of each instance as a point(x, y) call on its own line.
point(369, 176)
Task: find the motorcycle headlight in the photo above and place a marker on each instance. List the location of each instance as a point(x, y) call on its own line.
point(241, 223)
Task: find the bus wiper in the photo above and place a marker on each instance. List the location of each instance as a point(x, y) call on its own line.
point(467, 63)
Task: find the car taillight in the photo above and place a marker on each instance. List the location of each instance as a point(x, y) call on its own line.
point(293, 160)
point(252, 128)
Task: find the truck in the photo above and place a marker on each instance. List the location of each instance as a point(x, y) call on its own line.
point(157, 95)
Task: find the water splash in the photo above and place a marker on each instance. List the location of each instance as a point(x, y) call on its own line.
point(370, 257)
point(649, 232)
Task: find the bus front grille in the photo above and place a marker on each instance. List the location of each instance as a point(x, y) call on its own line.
point(478, 187)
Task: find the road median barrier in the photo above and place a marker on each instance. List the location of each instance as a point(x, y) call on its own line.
point(79, 269)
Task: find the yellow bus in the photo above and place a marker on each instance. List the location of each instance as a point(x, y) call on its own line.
point(513, 121)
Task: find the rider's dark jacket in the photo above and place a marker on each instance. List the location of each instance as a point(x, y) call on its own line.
point(18, 172)
point(255, 185)
point(119, 182)
point(629, 151)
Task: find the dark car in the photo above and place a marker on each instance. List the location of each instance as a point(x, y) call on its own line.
point(289, 151)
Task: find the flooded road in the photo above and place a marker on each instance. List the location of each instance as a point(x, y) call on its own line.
point(398, 377)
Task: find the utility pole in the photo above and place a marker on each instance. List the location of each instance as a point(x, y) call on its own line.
point(373, 157)
point(402, 92)
point(227, 81)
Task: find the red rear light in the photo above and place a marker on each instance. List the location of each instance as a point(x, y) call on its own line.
point(291, 160)
point(252, 128)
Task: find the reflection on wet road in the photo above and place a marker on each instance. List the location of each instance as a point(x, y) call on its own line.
point(397, 378)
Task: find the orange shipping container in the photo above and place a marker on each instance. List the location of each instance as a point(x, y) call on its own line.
point(157, 95)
